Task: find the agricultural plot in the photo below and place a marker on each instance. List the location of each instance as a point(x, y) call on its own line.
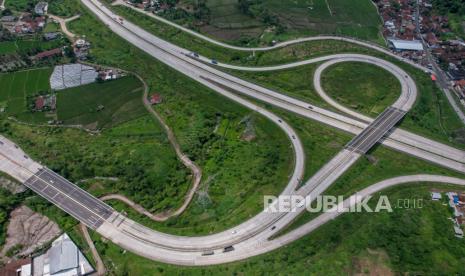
point(16, 87)
point(101, 105)
point(7, 47)
point(28, 46)
point(357, 18)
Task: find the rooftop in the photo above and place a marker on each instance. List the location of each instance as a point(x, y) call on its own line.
point(411, 45)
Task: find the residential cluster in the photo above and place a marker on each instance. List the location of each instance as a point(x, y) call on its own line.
point(27, 23)
point(456, 202)
point(414, 31)
point(25, 28)
point(154, 6)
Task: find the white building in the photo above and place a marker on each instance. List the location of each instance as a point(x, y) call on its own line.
point(405, 45)
point(436, 196)
point(62, 259)
point(41, 8)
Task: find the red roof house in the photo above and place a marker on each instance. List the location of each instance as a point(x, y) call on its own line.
point(40, 103)
point(50, 53)
point(155, 99)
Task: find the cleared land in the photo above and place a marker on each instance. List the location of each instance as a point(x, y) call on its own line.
point(101, 105)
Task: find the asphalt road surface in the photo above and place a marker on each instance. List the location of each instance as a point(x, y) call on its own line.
point(363, 142)
point(69, 197)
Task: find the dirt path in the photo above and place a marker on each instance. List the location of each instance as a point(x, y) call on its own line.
point(329, 9)
point(196, 171)
point(101, 270)
point(64, 28)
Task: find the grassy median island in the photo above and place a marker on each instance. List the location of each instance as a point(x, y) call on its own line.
point(399, 242)
point(365, 88)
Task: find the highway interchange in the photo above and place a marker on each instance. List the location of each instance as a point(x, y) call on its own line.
point(252, 237)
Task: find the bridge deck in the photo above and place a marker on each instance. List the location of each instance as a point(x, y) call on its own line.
point(69, 197)
point(363, 142)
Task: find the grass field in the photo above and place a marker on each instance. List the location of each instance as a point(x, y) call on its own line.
point(368, 89)
point(7, 47)
point(57, 7)
point(17, 86)
point(101, 105)
point(28, 46)
point(357, 18)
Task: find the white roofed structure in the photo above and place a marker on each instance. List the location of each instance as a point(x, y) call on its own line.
point(406, 45)
point(63, 259)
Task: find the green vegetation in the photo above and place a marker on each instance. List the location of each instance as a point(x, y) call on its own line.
point(431, 116)
point(279, 56)
point(56, 7)
point(7, 47)
point(8, 202)
point(101, 105)
point(207, 126)
point(136, 152)
point(366, 88)
point(223, 201)
point(380, 164)
point(18, 86)
point(252, 22)
point(213, 132)
point(449, 6)
point(407, 238)
point(29, 46)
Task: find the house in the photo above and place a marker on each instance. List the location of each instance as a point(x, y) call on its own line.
point(51, 35)
point(436, 196)
point(8, 18)
point(458, 231)
point(39, 103)
point(47, 102)
point(48, 54)
point(108, 74)
point(21, 267)
point(156, 99)
point(63, 258)
point(41, 8)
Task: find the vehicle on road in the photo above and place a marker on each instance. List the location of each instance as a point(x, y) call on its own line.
point(208, 253)
point(228, 249)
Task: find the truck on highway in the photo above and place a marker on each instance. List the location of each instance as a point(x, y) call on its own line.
point(208, 253)
point(228, 249)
